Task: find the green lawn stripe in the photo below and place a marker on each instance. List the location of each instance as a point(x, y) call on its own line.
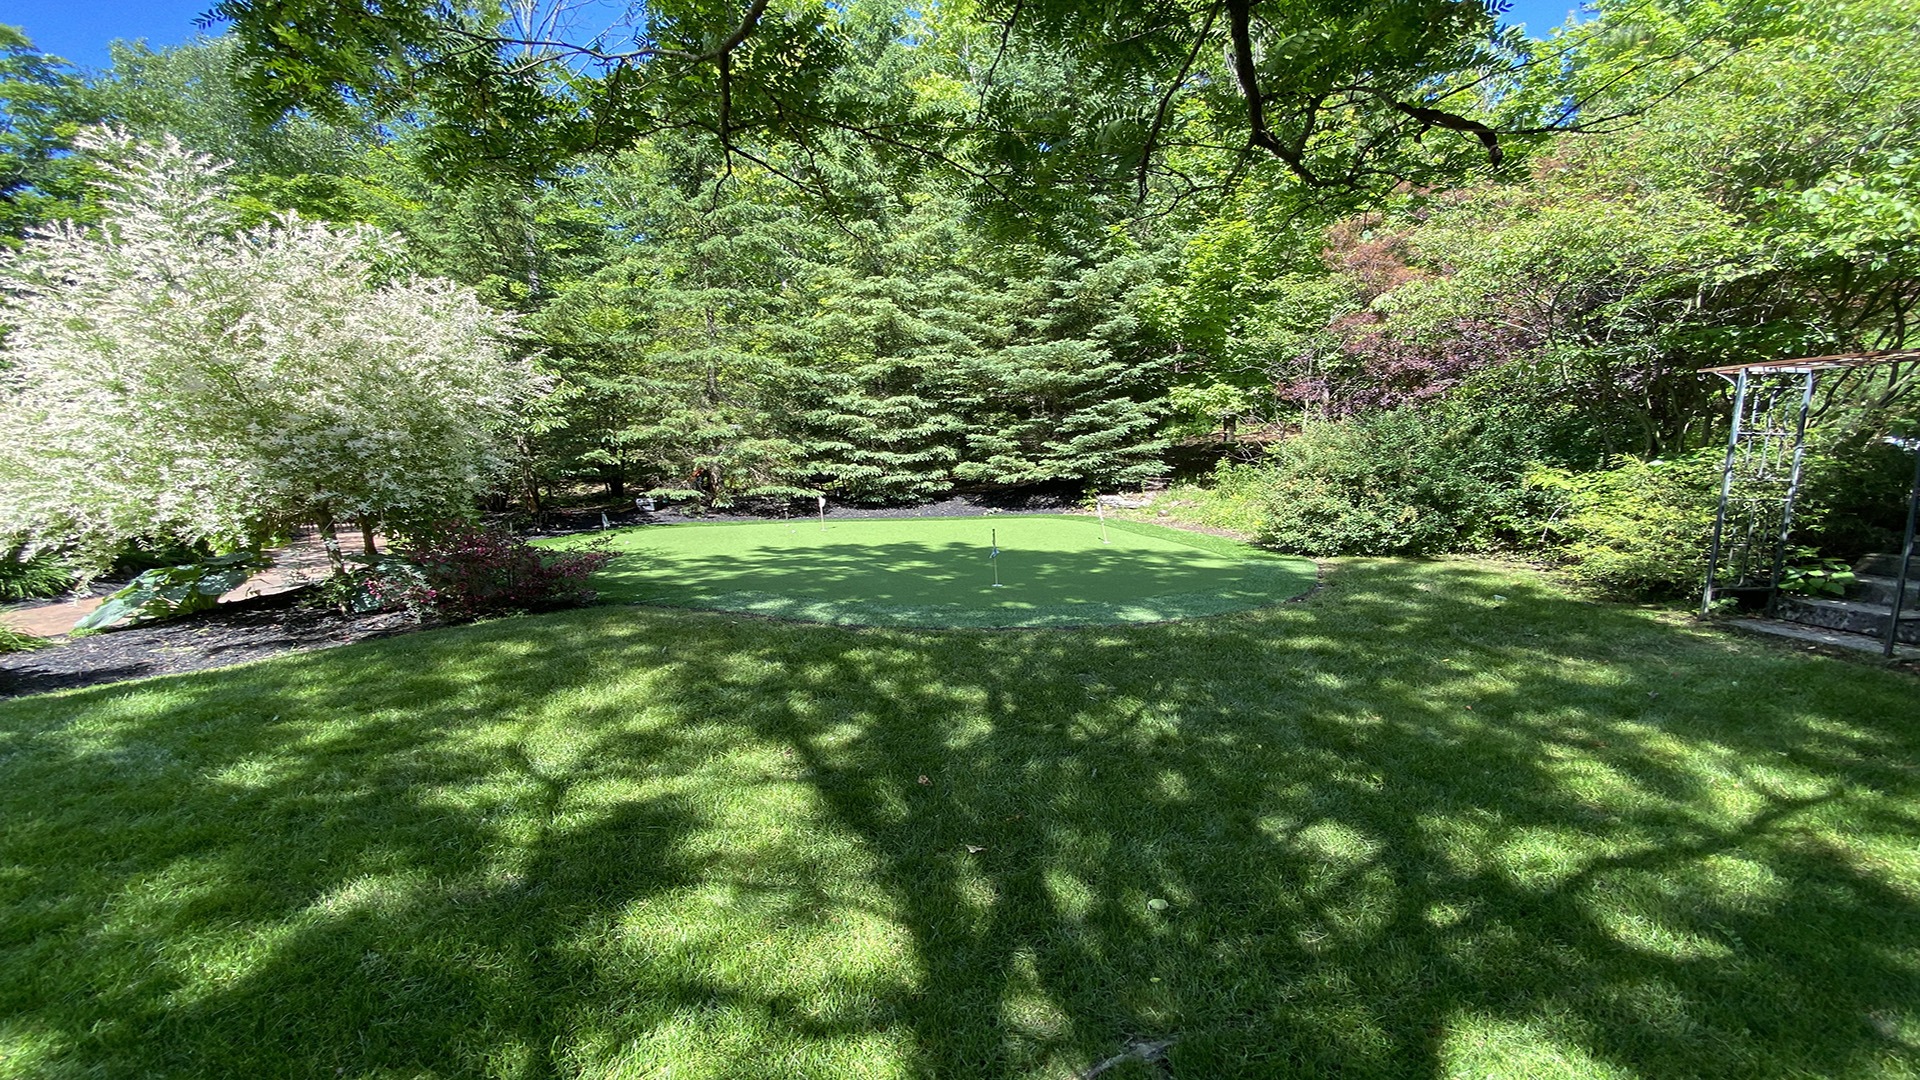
point(934, 572)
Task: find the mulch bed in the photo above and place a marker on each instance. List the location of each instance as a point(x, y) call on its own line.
point(230, 634)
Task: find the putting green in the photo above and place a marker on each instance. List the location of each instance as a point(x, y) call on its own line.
point(1054, 570)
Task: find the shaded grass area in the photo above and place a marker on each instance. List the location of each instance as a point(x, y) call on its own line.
point(1054, 570)
point(1403, 828)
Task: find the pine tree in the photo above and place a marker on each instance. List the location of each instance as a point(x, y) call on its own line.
point(1075, 389)
point(670, 355)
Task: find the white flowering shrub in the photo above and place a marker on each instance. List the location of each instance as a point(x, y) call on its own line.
point(174, 375)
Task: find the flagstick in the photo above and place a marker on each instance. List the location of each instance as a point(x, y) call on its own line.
point(823, 513)
point(1102, 508)
point(995, 557)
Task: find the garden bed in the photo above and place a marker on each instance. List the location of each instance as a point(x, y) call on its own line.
point(230, 634)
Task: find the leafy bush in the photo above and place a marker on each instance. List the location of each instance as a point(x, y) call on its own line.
point(1235, 498)
point(1638, 530)
point(463, 572)
point(12, 640)
point(376, 583)
point(171, 591)
point(1807, 574)
point(1446, 477)
point(1343, 489)
point(39, 575)
point(140, 554)
point(1853, 497)
point(1203, 410)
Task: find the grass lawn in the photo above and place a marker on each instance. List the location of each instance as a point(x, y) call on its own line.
point(1055, 570)
point(1437, 820)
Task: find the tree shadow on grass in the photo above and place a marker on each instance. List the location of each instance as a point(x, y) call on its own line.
point(1403, 829)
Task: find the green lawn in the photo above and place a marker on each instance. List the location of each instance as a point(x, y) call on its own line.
point(1437, 820)
point(1055, 570)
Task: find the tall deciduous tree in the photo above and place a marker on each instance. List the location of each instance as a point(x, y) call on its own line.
point(40, 180)
point(192, 92)
point(1028, 98)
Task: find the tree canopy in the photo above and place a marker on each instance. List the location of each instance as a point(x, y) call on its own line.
point(1018, 96)
point(884, 251)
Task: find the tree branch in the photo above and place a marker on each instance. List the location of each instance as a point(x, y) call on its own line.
point(733, 40)
point(1247, 74)
point(1166, 103)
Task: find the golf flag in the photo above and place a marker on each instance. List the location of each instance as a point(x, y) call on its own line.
point(994, 553)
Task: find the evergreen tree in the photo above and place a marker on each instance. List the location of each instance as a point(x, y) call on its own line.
point(893, 317)
point(1075, 387)
point(670, 354)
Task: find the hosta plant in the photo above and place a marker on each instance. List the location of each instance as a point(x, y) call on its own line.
point(168, 592)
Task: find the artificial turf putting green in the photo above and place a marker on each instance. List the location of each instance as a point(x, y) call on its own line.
point(1055, 570)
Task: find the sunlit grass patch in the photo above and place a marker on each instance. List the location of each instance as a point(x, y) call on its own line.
point(1480, 1046)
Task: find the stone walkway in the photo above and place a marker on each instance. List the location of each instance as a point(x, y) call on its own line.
point(302, 562)
point(1818, 635)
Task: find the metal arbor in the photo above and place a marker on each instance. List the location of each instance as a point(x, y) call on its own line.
point(1760, 477)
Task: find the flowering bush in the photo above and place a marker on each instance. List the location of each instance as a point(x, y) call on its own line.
point(464, 572)
point(176, 376)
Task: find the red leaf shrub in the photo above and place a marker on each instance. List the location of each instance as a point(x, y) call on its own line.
point(463, 571)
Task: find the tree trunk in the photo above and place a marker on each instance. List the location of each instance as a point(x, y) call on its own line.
point(330, 539)
point(530, 494)
point(366, 538)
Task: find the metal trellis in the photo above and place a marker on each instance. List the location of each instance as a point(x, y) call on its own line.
point(1760, 477)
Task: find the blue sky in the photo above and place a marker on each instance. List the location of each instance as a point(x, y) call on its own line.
point(80, 29)
point(1540, 16)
